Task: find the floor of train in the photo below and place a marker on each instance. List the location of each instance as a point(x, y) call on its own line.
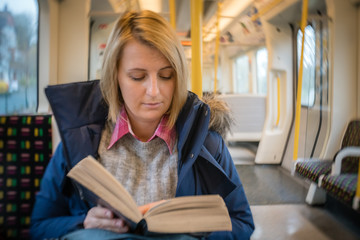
point(277, 201)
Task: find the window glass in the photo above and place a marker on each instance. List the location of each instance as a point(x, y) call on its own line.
point(18, 56)
point(308, 80)
point(241, 84)
point(261, 70)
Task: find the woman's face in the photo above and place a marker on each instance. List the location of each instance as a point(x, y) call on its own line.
point(147, 83)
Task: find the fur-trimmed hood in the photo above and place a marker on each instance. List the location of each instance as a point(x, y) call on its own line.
point(221, 118)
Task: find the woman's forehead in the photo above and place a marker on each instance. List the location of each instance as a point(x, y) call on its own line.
point(137, 54)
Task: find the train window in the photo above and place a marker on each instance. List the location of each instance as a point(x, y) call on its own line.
point(242, 67)
point(243, 72)
point(18, 56)
point(261, 70)
point(308, 80)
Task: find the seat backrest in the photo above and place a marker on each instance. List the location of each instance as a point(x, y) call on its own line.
point(25, 150)
point(249, 116)
point(351, 138)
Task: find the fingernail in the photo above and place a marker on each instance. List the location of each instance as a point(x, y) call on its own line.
point(118, 223)
point(108, 214)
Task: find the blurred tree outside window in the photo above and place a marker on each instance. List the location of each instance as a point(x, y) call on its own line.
point(18, 56)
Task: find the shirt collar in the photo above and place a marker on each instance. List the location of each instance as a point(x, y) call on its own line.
point(123, 127)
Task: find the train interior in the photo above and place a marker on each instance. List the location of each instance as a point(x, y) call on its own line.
point(251, 57)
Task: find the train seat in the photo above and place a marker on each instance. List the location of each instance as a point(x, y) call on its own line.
point(314, 169)
point(342, 186)
point(343, 180)
point(25, 150)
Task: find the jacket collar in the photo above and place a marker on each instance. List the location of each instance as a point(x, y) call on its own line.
point(80, 113)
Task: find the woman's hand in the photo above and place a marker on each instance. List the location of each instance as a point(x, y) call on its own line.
point(100, 217)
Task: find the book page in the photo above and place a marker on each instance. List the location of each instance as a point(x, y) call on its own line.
point(191, 214)
point(92, 175)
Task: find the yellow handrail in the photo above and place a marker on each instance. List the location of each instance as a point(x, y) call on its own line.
point(217, 42)
point(278, 101)
point(357, 194)
point(172, 13)
point(299, 85)
point(265, 9)
point(196, 47)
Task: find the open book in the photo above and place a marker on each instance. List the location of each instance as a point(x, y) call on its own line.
point(189, 214)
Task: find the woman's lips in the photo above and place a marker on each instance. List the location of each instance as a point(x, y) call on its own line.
point(152, 105)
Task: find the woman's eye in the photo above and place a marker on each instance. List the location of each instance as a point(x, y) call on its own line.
point(137, 78)
point(165, 77)
point(166, 74)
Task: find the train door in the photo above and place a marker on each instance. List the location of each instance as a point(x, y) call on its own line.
point(315, 87)
point(315, 104)
point(284, 41)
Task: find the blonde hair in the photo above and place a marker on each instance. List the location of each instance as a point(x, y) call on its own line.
point(151, 29)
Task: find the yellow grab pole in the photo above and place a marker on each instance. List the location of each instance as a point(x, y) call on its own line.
point(356, 200)
point(172, 9)
point(278, 101)
point(265, 9)
point(358, 184)
point(217, 42)
point(300, 76)
point(196, 47)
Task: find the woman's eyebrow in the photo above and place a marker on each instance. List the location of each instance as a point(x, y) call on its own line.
point(144, 70)
point(135, 69)
point(167, 67)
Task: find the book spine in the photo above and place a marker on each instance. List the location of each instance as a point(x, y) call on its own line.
point(141, 227)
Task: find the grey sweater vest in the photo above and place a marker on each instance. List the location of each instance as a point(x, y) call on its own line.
point(146, 169)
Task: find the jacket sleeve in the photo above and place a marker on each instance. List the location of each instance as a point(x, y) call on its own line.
point(236, 201)
point(55, 213)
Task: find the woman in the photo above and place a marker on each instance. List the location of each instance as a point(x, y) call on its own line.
point(145, 128)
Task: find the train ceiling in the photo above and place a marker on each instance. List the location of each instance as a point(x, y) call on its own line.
point(237, 27)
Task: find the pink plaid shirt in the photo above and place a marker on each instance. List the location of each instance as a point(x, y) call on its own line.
point(123, 127)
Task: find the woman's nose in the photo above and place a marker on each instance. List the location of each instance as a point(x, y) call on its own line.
point(152, 86)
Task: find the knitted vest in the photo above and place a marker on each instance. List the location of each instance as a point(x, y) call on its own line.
point(146, 169)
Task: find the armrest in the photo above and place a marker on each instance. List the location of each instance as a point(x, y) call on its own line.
point(299, 160)
point(345, 152)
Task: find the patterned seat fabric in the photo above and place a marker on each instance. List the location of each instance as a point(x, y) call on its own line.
point(313, 169)
point(351, 138)
point(25, 150)
point(341, 186)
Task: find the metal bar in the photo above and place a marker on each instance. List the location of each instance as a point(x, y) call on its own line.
point(278, 101)
point(172, 9)
point(217, 42)
point(265, 9)
point(196, 47)
point(299, 85)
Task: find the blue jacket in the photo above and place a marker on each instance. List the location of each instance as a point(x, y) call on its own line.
point(205, 165)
